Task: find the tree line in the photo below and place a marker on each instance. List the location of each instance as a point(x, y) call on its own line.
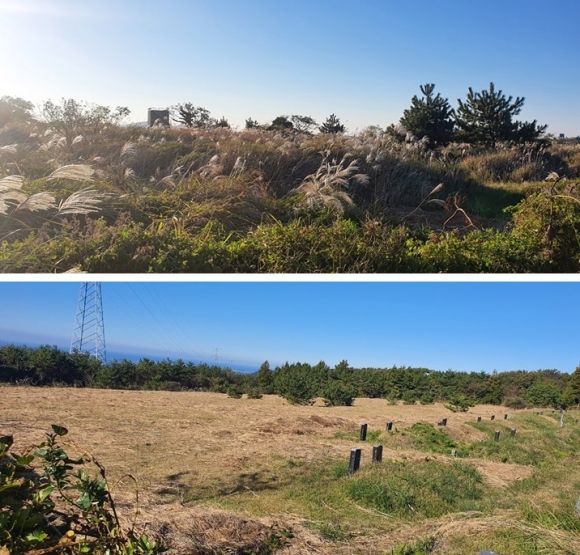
point(299, 383)
point(485, 117)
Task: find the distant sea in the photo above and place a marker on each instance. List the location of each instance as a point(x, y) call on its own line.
point(242, 368)
point(236, 367)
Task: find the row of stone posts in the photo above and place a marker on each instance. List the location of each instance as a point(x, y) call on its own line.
point(355, 454)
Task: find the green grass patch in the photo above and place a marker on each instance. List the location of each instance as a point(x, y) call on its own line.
point(426, 437)
point(423, 489)
point(505, 541)
point(539, 440)
point(491, 202)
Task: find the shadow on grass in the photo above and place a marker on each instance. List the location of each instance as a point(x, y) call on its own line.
point(490, 202)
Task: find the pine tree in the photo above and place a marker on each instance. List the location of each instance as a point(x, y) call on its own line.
point(487, 117)
point(303, 124)
point(192, 116)
point(331, 125)
point(430, 116)
point(572, 391)
point(252, 123)
point(265, 378)
point(280, 123)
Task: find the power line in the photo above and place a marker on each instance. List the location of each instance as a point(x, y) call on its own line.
point(162, 309)
point(161, 327)
point(161, 337)
point(146, 330)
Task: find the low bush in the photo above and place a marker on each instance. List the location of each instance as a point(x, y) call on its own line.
point(51, 504)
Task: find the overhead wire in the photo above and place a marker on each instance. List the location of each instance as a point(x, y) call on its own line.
point(161, 309)
point(170, 338)
point(134, 319)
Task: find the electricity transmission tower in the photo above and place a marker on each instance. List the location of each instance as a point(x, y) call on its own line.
point(89, 328)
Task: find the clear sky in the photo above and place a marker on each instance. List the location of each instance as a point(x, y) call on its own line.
point(362, 60)
point(470, 326)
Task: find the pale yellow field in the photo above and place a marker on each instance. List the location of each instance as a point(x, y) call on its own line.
point(174, 441)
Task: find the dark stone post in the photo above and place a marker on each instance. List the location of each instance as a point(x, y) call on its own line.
point(363, 432)
point(377, 453)
point(354, 463)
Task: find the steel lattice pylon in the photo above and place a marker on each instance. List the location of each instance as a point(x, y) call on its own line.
point(89, 328)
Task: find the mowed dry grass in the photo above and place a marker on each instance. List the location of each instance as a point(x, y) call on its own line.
point(173, 442)
point(171, 438)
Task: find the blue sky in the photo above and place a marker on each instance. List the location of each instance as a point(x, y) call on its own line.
point(470, 326)
point(361, 60)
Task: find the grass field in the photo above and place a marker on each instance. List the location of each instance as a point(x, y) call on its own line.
point(222, 475)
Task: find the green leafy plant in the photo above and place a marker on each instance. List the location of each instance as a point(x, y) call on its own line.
point(50, 502)
point(420, 547)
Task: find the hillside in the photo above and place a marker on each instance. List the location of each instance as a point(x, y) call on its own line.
point(101, 197)
point(220, 475)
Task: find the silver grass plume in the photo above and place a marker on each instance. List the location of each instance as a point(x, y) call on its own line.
point(14, 200)
point(325, 186)
point(10, 195)
point(212, 168)
point(8, 149)
point(38, 202)
point(11, 182)
point(129, 150)
point(11, 200)
point(81, 202)
point(76, 172)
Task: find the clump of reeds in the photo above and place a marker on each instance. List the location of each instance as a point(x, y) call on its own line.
point(15, 204)
point(329, 186)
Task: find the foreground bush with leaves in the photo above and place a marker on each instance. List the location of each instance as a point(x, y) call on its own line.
point(49, 504)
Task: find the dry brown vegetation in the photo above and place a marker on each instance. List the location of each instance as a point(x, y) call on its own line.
point(194, 454)
point(257, 200)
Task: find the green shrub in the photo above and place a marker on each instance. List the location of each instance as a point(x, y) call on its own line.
point(234, 392)
point(338, 394)
point(554, 218)
point(544, 394)
point(31, 513)
point(254, 393)
point(459, 403)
